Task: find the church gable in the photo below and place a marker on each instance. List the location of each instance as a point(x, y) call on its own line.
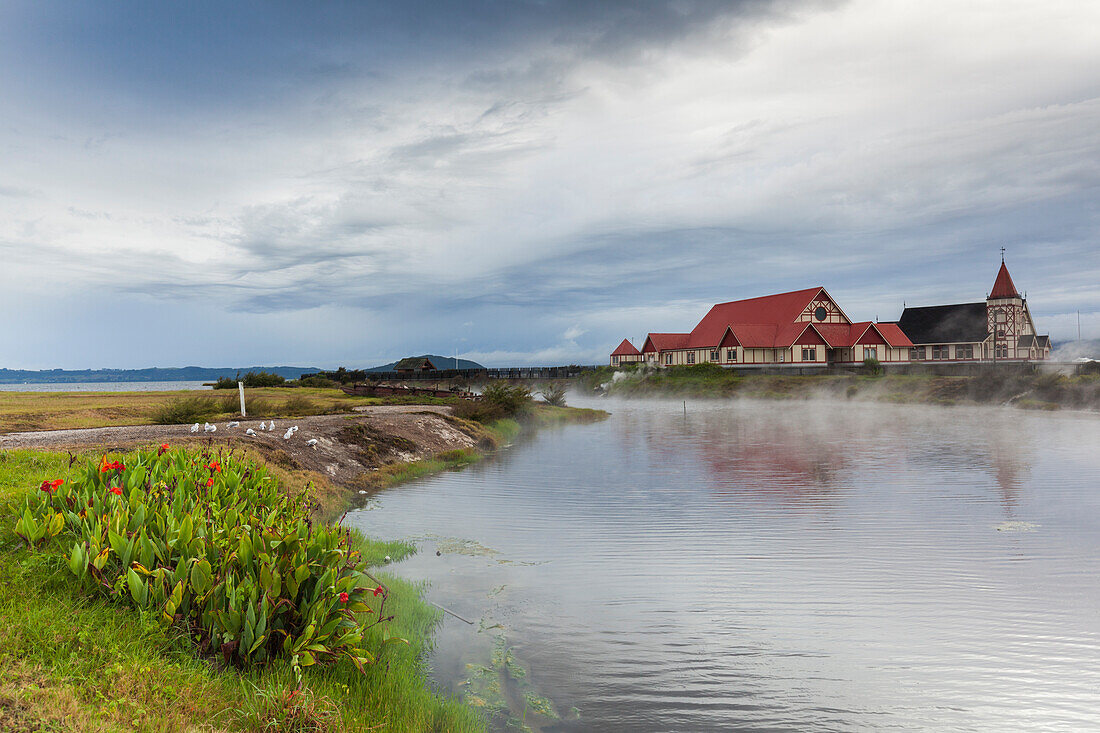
point(822, 309)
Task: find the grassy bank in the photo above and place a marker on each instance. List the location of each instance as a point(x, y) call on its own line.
point(1035, 391)
point(69, 661)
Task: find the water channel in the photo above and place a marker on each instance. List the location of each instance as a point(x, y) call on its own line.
point(769, 566)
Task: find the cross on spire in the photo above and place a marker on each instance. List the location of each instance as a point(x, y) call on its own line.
point(1002, 255)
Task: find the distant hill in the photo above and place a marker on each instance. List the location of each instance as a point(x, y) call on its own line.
point(155, 374)
point(440, 362)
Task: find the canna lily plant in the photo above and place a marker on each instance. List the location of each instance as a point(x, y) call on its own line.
point(216, 547)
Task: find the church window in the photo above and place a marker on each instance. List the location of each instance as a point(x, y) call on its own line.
point(941, 352)
point(615, 360)
point(964, 352)
point(870, 352)
point(731, 354)
point(691, 357)
point(1001, 351)
point(916, 353)
point(715, 355)
point(668, 359)
point(809, 353)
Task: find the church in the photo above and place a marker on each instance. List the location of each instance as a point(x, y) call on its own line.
point(807, 328)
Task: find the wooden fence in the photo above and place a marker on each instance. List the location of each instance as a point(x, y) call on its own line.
point(474, 375)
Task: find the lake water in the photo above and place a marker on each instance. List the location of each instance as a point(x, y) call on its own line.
point(102, 387)
point(770, 566)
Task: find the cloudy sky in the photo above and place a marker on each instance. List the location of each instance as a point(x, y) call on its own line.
point(527, 181)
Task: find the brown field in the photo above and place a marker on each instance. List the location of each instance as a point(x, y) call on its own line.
point(22, 411)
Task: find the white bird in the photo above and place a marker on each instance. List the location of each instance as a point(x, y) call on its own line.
point(208, 428)
point(311, 442)
point(294, 429)
point(287, 434)
point(233, 424)
point(251, 432)
point(195, 428)
point(271, 426)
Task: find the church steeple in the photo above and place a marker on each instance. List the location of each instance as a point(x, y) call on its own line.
point(1003, 287)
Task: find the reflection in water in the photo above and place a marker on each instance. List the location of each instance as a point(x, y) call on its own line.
point(779, 566)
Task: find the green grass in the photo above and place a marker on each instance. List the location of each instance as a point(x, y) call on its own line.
point(78, 663)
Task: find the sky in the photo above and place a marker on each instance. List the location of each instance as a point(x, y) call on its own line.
point(527, 181)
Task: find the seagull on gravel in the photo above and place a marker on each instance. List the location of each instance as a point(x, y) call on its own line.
point(294, 429)
point(251, 432)
point(195, 428)
point(288, 434)
point(271, 426)
point(233, 424)
point(208, 428)
point(311, 442)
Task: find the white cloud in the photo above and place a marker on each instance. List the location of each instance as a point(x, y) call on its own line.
point(877, 148)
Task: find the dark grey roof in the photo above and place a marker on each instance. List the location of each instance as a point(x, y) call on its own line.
point(1037, 341)
point(413, 362)
point(945, 324)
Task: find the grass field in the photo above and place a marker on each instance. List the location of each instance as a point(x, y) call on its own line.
point(69, 662)
point(20, 411)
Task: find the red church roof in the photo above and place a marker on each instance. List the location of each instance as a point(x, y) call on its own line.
point(626, 349)
point(665, 341)
point(894, 335)
point(1004, 287)
point(774, 311)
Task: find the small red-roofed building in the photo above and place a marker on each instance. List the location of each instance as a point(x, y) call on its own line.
point(625, 354)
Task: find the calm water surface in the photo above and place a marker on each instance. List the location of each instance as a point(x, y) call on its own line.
point(770, 566)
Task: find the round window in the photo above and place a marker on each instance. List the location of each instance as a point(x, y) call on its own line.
point(820, 313)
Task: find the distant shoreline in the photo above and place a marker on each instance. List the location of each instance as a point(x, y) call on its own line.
point(151, 374)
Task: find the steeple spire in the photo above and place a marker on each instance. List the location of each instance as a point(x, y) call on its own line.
point(1004, 287)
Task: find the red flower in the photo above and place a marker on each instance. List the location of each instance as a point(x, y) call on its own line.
point(215, 466)
point(104, 467)
point(344, 597)
point(379, 591)
point(210, 481)
point(51, 486)
point(116, 490)
point(163, 449)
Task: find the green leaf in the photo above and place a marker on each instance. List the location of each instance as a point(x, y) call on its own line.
point(77, 564)
point(138, 590)
point(57, 523)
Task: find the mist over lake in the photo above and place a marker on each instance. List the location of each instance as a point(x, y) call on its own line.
point(770, 566)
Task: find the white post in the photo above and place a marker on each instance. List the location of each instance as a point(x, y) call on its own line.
point(240, 387)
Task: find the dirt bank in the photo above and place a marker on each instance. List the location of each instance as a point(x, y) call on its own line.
point(347, 445)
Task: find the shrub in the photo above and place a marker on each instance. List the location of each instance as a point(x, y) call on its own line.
point(262, 379)
point(213, 545)
point(299, 405)
point(872, 366)
point(186, 410)
point(226, 383)
point(554, 395)
point(315, 381)
point(512, 399)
